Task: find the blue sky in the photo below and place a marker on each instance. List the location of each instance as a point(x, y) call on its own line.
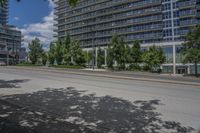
point(34, 18)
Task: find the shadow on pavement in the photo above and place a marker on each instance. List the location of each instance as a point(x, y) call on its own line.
point(72, 111)
point(12, 83)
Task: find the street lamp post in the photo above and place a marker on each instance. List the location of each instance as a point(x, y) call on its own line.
point(174, 60)
point(7, 54)
point(16, 54)
point(93, 54)
point(93, 48)
point(13, 48)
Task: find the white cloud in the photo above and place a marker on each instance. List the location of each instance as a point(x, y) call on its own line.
point(51, 4)
point(16, 18)
point(42, 30)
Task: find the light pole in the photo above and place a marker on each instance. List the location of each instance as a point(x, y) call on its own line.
point(92, 54)
point(13, 48)
point(7, 54)
point(174, 60)
point(93, 50)
point(16, 54)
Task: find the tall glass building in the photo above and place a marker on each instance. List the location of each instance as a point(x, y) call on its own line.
point(4, 14)
point(154, 22)
point(10, 39)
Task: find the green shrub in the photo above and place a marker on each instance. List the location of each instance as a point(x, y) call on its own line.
point(68, 66)
point(134, 67)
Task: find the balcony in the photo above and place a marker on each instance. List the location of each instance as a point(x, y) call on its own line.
point(115, 19)
point(157, 2)
point(113, 10)
point(3, 52)
point(187, 4)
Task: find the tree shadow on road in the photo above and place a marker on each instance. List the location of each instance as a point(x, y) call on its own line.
point(12, 83)
point(72, 111)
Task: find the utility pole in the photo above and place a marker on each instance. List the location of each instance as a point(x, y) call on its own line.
point(93, 49)
point(16, 54)
point(93, 52)
point(174, 59)
point(13, 48)
point(7, 54)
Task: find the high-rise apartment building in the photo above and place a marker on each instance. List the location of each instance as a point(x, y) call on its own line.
point(159, 22)
point(4, 14)
point(10, 39)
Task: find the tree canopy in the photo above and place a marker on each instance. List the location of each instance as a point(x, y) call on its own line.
point(51, 53)
point(191, 47)
point(118, 51)
point(136, 52)
point(153, 57)
point(36, 50)
point(100, 58)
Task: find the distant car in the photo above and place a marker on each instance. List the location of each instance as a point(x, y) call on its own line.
point(2, 63)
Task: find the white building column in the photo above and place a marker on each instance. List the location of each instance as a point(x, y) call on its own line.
point(96, 55)
point(174, 60)
point(87, 58)
point(105, 57)
point(188, 69)
point(7, 58)
point(7, 54)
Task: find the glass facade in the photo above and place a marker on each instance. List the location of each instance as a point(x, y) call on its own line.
point(192, 69)
point(151, 21)
point(10, 38)
point(168, 51)
point(10, 42)
point(168, 54)
point(3, 14)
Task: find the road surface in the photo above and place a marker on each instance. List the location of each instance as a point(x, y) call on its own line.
point(37, 101)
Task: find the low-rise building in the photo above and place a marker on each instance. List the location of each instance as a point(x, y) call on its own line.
point(10, 44)
point(10, 39)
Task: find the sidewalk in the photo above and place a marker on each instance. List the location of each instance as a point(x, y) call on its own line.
point(142, 76)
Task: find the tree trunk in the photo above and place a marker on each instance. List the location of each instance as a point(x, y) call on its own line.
point(196, 71)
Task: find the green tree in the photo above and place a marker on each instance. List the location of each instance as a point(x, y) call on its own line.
point(153, 57)
point(100, 58)
point(44, 58)
point(72, 52)
point(85, 56)
point(191, 48)
point(59, 52)
point(77, 53)
point(135, 56)
point(119, 49)
point(36, 50)
point(136, 52)
point(66, 49)
point(110, 58)
point(51, 54)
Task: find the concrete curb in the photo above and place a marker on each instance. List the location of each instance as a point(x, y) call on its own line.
point(106, 75)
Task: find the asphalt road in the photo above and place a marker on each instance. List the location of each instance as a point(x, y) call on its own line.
point(41, 102)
